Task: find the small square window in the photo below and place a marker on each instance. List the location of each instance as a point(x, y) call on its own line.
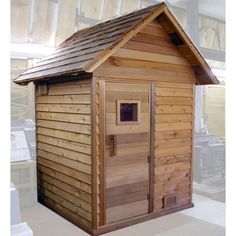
point(128, 112)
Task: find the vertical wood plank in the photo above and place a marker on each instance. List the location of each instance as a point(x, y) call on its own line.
point(94, 153)
point(36, 139)
point(193, 138)
point(101, 150)
point(152, 145)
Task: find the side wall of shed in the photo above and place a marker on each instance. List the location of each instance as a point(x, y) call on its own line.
point(63, 116)
point(152, 56)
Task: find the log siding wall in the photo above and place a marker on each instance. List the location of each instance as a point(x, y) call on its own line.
point(63, 132)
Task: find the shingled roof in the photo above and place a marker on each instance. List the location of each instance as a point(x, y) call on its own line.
point(88, 48)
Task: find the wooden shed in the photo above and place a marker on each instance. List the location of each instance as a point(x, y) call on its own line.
point(114, 121)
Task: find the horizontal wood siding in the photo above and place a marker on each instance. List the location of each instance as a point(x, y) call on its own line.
point(64, 148)
point(173, 144)
point(149, 55)
point(152, 56)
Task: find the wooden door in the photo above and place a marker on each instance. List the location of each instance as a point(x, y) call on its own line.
point(127, 152)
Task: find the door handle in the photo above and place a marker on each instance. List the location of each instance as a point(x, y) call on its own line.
point(114, 143)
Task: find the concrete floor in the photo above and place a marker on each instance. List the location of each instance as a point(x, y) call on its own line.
point(213, 188)
point(206, 218)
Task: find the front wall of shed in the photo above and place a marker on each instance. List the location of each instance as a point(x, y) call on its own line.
point(151, 56)
point(63, 119)
point(173, 144)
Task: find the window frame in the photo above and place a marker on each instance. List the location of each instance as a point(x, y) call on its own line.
point(118, 104)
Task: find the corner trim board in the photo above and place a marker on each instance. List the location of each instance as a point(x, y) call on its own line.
point(102, 187)
point(94, 153)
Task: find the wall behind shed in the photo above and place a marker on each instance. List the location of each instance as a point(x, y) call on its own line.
point(214, 109)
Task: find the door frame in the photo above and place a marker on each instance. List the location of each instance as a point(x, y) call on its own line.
point(102, 131)
point(152, 145)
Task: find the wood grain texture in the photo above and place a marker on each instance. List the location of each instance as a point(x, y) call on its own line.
point(49, 183)
point(101, 139)
point(161, 67)
point(127, 169)
point(72, 89)
point(71, 118)
point(72, 145)
point(80, 109)
point(65, 126)
point(141, 59)
point(67, 179)
point(69, 99)
point(193, 146)
point(149, 56)
point(127, 211)
point(173, 145)
point(76, 163)
point(94, 144)
point(64, 148)
point(152, 146)
point(147, 47)
point(173, 106)
point(76, 137)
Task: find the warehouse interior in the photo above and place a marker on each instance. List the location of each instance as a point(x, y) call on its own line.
point(37, 28)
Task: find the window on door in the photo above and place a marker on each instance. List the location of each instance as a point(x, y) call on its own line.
point(128, 112)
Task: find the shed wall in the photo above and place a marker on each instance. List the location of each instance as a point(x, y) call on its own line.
point(152, 56)
point(63, 117)
point(173, 144)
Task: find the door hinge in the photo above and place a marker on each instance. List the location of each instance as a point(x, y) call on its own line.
point(149, 158)
point(148, 196)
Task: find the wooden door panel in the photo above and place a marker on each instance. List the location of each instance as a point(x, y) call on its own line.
point(125, 211)
point(126, 169)
point(128, 179)
point(125, 199)
point(127, 151)
point(127, 189)
point(141, 157)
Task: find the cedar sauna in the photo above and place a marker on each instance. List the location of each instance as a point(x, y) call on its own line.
point(114, 121)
